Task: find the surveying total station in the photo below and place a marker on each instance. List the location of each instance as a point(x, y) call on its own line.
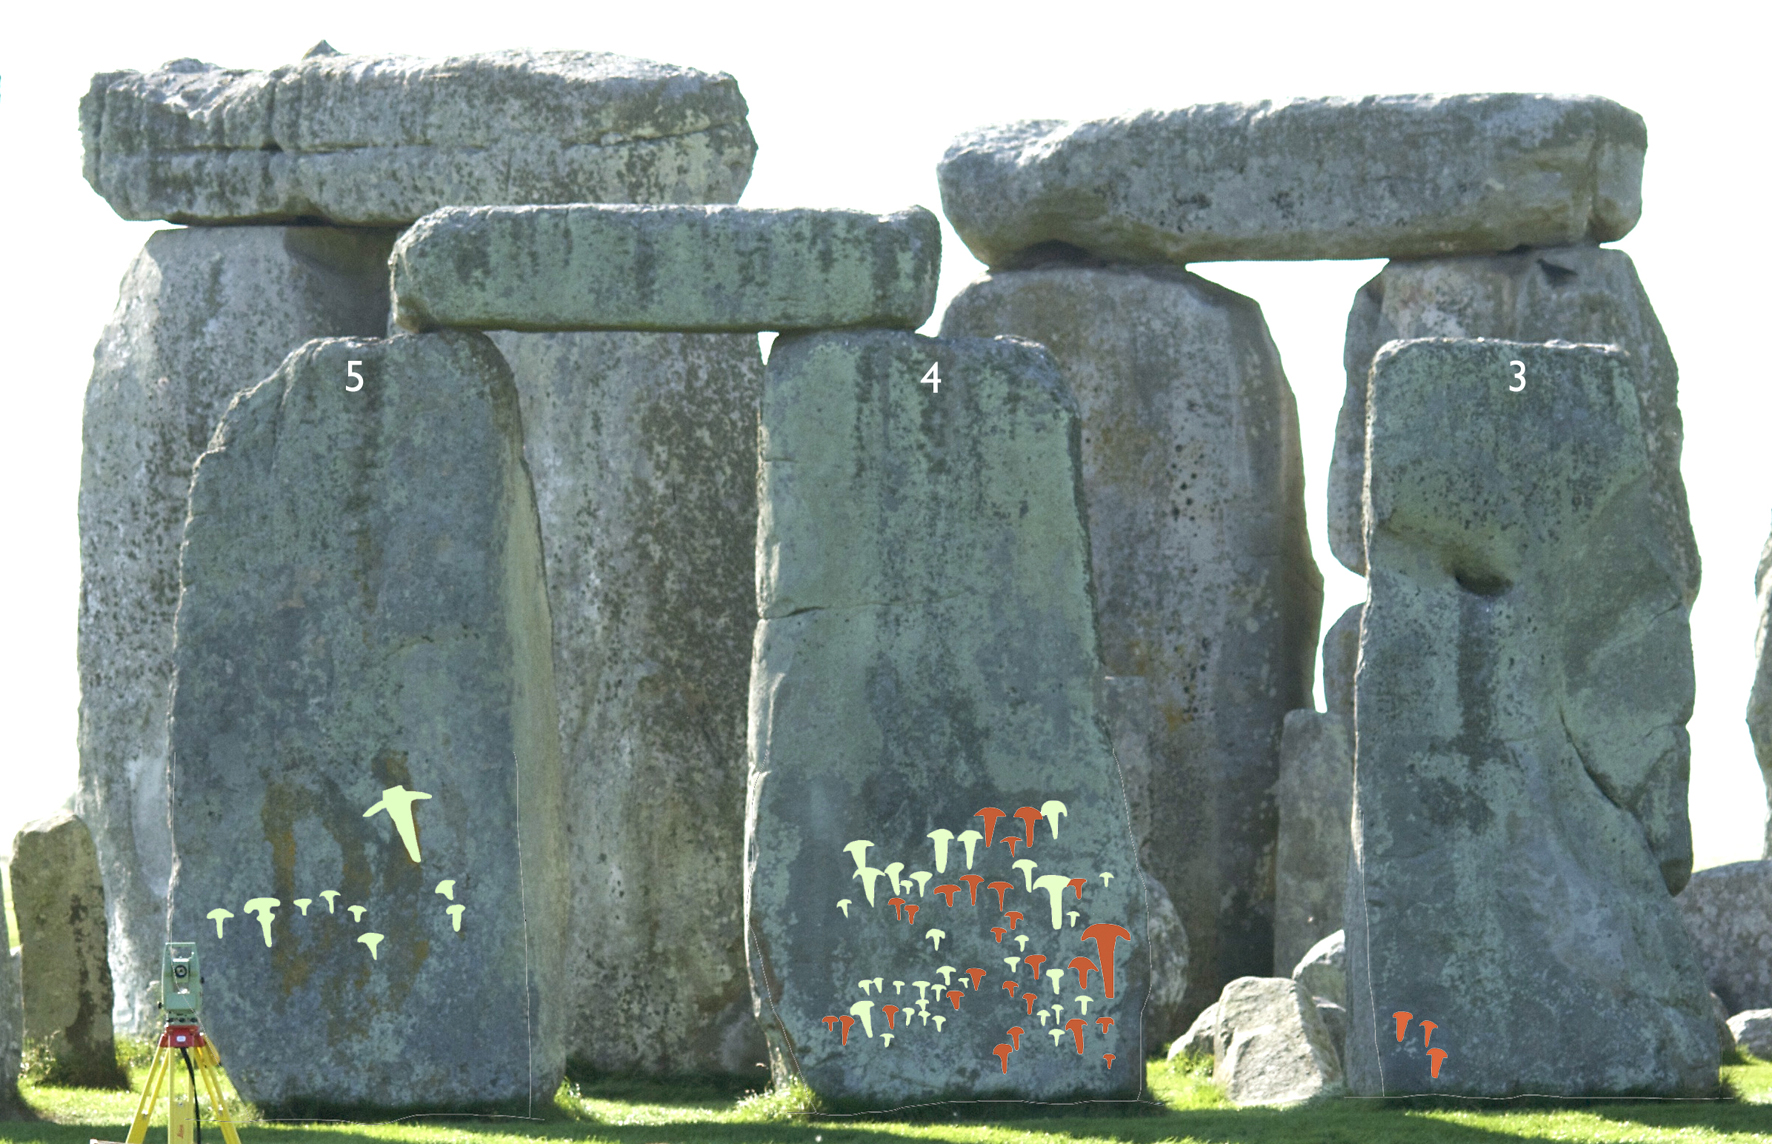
point(182, 1042)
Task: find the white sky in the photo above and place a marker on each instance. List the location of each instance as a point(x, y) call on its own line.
point(852, 106)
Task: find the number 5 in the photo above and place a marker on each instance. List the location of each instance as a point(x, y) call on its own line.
point(351, 372)
point(1519, 376)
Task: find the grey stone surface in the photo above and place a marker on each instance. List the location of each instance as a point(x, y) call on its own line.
point(1520, 788)
point(58, 898)
point(926, 658)
point(1323, 969)
point(201, 313)
point(1341, 657)
point(1204, 582)
point(1728, 912)
point(1752, 1030)
point(601, 266)
point(1168, 946)
point(1572, 294)
point(643, 451)
point(365, 737)
point(1335, 1021)
point(12, 1023)
point(381, 141)
point(1314, 793)
point(1200, 1036)
point(1272, 1045)
point(1759, 702)
point(1725, 1035)
point(1394, 176)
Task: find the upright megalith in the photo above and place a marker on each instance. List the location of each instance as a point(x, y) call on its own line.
point(65, 981)
point(1571, 294)
point(380, 140)
point(1389, 176)
point(1203, 577)
point(1759, 700)
point(200, 313)
point(1310, 857)
point(12, 1022)
point(942, 895)
point(643, 449)
point(365, 759)
point(1520, 788)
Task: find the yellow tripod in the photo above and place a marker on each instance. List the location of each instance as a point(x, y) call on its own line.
point(182, 1044)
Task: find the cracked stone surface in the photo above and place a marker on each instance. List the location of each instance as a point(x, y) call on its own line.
point(202, 313)
point(1392, 176)
point(383, 140)
point(363, 608)
point(1524, 684)
point(926, 649)
point(600, 266)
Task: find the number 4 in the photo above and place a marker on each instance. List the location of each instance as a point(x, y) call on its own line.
point(351, 372)
point(932, 379)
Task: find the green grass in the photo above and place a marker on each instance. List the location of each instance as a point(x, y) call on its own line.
point(627, 1111)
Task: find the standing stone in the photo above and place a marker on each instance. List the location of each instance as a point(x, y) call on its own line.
point(59, 901)
point(1271, 1044)
point(1759, 702)
point(12, 1024)
point(643, 449)
point(1387, 176)
point(200, 313)
point(383, 140)
point(365, 761)
point(1203, 577)
point(1314, 793)
point(931, 780)
point(1573, 294)
point(1728, 912)
point(1341, 657)
point(1520, 787)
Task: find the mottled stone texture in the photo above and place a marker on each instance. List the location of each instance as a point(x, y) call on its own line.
point(1341, 657)
point(1389, 176)
point(201, 313)
point(1759, 702)
point(1204, 582)
point(1322, 971)
point(1571, 294)
point(363, 615)
point(59, 901)
point(643, 450)
point(1752, 1031)
point(12, 1022)
point(1310, 864)
point(926, 658)
point(598, 266)
point(1728, 912)
point(381, 141)
point(1520, 789)
point(1271, 1045)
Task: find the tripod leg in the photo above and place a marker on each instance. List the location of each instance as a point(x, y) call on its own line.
point(159, 1067)
point(209, 1068)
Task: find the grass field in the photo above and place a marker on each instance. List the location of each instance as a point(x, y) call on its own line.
point(1191, 1109)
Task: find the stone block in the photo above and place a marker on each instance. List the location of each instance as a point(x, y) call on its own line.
point(201, 313)
point(58, 898)
point(366, 782)
point(1314, 793)
point(1203, 577)
point(1323, 969)
point(1759, 701)
point(12, 1025)
point(931, 781)
point(1271, 1045)
point(1520, 788)
point(1752, 1030)
point(1572, 294)
point(1728, 912)
point(1200, 1036)
point(1391, 176)
point(598, 266)
point(643, 451)
point(1341, 658)
point(383, 140)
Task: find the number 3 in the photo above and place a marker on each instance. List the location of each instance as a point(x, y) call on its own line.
point(1519, 376)
point(351, 372)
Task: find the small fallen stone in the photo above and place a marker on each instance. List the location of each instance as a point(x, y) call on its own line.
point(1272, 1046)
point(1753, 1032)
point(1323, 971)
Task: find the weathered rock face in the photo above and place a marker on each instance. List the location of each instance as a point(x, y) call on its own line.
point(1759, 703)
point(930, 781)
point(381, 141)
point(59, 901)
point(200, 313)
point(1752, 1031)
point(620, 267)
point(1572, 294)
point(1322, 971)
point(1204, 582)
point(1200, 1036)
point(1720, 1019)
point(1520, 788)
point(643, 452)
point(1341, 657)
point(365, 755)
point(1271, 1045)
point(1398, 176)
point(1166, 1001)
point(12, 1021)
point(1728, 912)
point(1310, 860)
